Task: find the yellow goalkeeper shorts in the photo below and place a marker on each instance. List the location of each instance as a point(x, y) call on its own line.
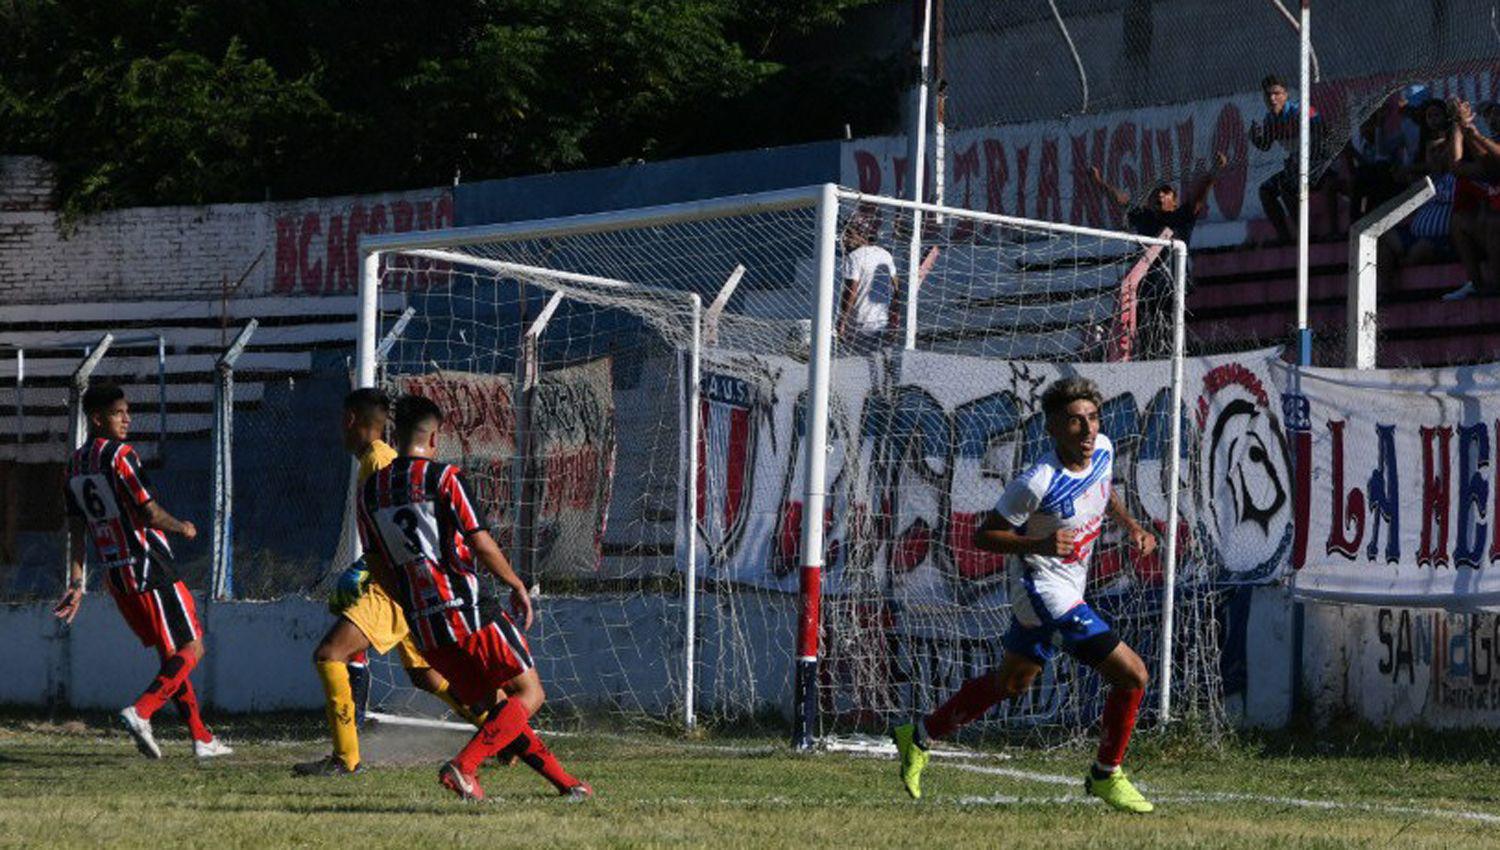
point(380, 618)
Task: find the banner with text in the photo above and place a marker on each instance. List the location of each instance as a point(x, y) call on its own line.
point(921, 445)
point(1396, 489)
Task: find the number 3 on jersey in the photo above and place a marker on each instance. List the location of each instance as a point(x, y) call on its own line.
point(410, 532)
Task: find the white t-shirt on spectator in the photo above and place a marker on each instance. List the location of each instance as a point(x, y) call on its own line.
point(874, 271)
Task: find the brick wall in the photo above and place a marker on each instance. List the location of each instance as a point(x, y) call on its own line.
point(303, 248)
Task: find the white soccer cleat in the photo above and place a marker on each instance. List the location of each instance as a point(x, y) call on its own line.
point(212, 748)
point(140, 730)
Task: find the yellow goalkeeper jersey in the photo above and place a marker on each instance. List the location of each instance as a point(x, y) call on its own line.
point(377, 457)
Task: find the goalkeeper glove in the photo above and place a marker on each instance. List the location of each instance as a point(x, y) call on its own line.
point(349, 587)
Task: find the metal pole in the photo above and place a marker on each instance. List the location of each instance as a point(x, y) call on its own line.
point(78, 428)
point(1304, 163)
point(223, 460)
point(916, 146)
point(364, 376)
point(161, 396)
point(369, 314)
point(529, 376)
point(1174, 463)
point(811, 578)
point(1361, 317)
point(690, 592)
point(20, 401)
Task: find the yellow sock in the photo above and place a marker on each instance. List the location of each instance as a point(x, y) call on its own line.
point(444, 694)
point(340, 711)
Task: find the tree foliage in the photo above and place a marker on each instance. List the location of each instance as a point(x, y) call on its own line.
point(169, 101)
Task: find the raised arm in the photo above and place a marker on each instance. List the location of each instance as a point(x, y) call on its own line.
point(1484, 146)
point(1116, 194)
point(1199, 201)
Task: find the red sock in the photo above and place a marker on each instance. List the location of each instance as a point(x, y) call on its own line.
point(186, 702)
point(174, 671)
point(971, 702)
point(529, 747)
point(1120, 709)
point(504, 724)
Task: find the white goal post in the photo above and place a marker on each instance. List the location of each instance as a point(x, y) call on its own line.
point(978, 296)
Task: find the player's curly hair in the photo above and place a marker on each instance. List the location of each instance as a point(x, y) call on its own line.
point(1065, 391)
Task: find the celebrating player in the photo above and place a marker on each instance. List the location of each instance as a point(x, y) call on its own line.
point(1049, 518)
point(368, 615)
point(110, 503)
point(419, 515)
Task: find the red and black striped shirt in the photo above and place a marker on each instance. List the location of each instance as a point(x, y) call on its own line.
point(418, 514)
point(108, 490)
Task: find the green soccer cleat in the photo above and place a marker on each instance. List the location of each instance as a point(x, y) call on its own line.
point(913, 758)
point(1118, 793)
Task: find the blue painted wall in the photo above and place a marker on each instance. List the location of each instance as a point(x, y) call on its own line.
point(645, 184)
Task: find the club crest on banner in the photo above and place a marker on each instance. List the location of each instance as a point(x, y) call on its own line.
point(735, 413)
point(1245, 504)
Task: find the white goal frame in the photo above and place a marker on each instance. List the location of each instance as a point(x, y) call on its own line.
point(826, 200)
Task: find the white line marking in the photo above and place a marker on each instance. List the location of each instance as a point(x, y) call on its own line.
point(1215, 797)
point(1017, 773)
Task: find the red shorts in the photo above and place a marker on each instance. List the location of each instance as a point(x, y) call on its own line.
point(481, 662)
point(165, 618)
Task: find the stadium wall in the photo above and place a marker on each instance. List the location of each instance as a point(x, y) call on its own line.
point(302, 248)
point(260, 654)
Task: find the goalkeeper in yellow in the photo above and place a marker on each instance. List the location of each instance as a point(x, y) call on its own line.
point(368, 616)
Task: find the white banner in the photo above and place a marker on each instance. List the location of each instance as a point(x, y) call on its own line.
point(1396, 488)
point(922, 444)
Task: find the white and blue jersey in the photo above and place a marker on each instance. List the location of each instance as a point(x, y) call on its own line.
point(1046, 591)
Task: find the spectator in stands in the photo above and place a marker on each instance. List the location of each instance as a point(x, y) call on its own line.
point(1475, 162)
point(1162, 208)
point(1371, 160)
point(1425, 237)
point(1278, 194)
point(865, 318)
point(1161, 211)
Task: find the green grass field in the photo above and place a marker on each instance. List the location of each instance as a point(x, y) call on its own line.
point(80, 783)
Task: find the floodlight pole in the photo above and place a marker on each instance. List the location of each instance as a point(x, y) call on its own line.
point(223, 442)
point(1304, 165)
point(916, 147)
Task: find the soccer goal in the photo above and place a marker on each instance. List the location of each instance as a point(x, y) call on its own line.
point(733, 501)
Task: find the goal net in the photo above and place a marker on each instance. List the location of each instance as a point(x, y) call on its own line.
point(635, 396)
